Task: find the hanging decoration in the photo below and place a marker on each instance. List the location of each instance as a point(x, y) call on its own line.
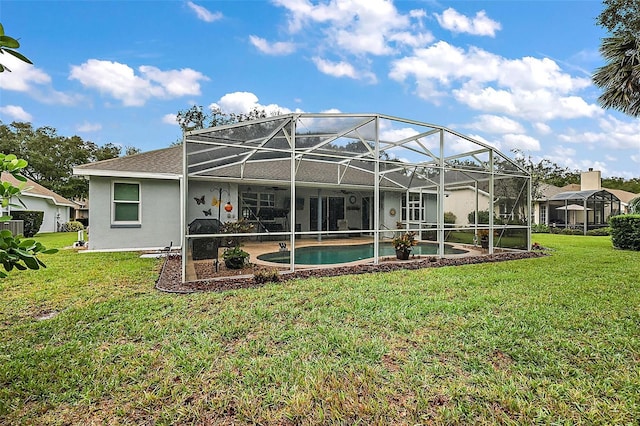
point(207, 212)
point(199, 200)
point(215, 202)
point(228, 207)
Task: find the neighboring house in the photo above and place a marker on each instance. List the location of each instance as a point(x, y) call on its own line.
point(56, 208)
point(566, 207)
point(81, 213)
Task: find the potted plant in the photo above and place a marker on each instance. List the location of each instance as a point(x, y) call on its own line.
point(484, 238)
point(235, 258)
point(403, 244)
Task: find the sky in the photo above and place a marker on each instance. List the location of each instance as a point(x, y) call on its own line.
point(513, 74)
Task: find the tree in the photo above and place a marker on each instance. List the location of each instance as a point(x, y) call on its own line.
point(619, 78)
point(51, 157)
point(545, 171)
point(195, 118)
point(16, 252)
point(8, 45)
point(131, 150)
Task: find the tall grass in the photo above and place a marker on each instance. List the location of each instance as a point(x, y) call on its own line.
point(546, 340)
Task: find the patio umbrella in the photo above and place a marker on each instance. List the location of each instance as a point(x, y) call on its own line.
point(573, 208)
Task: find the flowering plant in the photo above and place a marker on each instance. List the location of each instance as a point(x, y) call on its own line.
point(405, 241)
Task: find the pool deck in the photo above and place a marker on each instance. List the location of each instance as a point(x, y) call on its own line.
point(257, 248)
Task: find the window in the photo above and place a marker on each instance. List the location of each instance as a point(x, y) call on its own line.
point(252, 202)
point(415, 210)
point(126, 203)
point(543, 213)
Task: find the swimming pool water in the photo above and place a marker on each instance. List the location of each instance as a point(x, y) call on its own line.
point(326, 255)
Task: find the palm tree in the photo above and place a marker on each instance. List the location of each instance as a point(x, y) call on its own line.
point(620, 77)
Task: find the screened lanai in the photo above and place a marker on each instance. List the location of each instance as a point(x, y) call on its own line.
point(311, 182)
point(583, 210)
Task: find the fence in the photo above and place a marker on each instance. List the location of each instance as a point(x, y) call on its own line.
point(15, 226)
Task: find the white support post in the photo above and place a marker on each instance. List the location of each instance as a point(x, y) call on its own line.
point(491, 201)
point(292, 203)
point(376, 195)
point(440, 220)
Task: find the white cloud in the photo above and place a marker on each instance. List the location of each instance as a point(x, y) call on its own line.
point(278, 48)
point(542, 128)
point(458, 23)
point(521, 142)
point(612, 134)
point(531, 88)
point(203, 14)
point(170, 119)
point(121, 82)
point(342, 69)
point(412, 39)
point(244, 102)
point(176, 83)
point(16, 113)
point(636, 158)
point(358, 26)
point(88, 127)
point(460, 145)
point(22, 77)
point(496, 124)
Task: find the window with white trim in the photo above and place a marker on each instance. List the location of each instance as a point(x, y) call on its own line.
point(543, 214)
point(125, 203)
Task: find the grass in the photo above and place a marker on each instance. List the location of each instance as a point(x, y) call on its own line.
point(550, 340)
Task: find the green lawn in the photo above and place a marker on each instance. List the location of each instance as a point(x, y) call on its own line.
point(552, 340)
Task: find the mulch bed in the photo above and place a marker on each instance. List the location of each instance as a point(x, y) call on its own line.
point(170, 279)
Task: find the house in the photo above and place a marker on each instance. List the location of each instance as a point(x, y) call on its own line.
point(583, 206)
point(311, 177)
point(56, 208)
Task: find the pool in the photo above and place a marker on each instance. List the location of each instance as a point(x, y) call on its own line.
point(326, 255)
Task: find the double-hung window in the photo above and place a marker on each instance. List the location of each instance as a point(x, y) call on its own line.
point(126, 204)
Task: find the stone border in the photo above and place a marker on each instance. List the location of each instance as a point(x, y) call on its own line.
point(170, 279)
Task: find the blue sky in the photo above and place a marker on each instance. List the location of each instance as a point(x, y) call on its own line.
point(515, 74)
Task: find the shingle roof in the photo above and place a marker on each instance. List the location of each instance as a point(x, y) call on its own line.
point(38, 190)
point(624, 196)
point(547, 191)
point(161, 161)
point(169, 161)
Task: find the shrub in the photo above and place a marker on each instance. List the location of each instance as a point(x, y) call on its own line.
point(450, 218)
point(599, 232)
point(540, 228)
point(73, 226)
point(571, 231)
point(555, 229)
point(32, 221)
point(483, 218)
point(266, 276)
point(634, 206)
point(625, 231)
point(235, 258)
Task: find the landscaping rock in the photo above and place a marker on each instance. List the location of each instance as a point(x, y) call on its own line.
point(170, 279)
